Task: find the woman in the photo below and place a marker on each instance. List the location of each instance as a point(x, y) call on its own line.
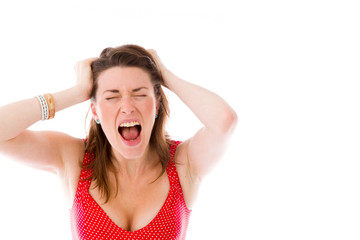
point(127, 179)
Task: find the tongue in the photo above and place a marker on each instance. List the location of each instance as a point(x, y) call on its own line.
point(129, 133)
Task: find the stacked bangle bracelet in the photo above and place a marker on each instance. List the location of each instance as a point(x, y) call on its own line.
point(47, 106)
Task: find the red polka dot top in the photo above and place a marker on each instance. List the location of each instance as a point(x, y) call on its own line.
point(89, 221)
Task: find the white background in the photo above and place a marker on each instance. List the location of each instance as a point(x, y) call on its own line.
point(290, 69)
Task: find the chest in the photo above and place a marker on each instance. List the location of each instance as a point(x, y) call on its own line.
point(135, 205)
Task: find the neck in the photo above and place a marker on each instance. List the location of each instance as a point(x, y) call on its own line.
point(134, 169)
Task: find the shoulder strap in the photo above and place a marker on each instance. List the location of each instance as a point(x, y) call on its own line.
point(173, 147)
point(171, 168)
point(85, 175)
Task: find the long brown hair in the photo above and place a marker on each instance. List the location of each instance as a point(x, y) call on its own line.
point(96, 143)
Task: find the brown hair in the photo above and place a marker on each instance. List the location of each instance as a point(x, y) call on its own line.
point(97, 143)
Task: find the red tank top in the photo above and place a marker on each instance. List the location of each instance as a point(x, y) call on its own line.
point(89, 221)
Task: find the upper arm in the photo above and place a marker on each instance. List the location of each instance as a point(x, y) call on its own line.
point(196, 157)
point(42, 150)
point(199, 154)
point(204, 151)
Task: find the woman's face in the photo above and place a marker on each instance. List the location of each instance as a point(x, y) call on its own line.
point(126, 106)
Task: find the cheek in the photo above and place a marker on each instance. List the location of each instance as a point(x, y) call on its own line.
point(150, 107)
point(105, 111)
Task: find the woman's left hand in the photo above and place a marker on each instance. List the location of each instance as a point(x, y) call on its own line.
point(166, 74)
point(156, 58)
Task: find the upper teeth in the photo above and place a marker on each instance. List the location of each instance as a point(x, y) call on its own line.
point(129, 124)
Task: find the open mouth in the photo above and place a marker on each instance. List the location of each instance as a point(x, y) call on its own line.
point(130, 131)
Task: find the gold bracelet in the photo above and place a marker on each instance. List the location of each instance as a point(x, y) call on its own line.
point(51, 105)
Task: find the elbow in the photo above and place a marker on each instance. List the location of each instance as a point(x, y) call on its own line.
point(228, 122)
point(232, 121)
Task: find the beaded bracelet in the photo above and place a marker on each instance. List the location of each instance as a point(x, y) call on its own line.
point(47, 106)
point(44, 107)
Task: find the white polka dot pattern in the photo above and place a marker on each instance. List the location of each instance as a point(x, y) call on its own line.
point(89, 221)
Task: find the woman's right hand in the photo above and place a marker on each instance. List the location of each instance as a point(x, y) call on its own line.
point(84, 77)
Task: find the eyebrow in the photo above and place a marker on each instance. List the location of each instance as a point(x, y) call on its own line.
point(117, 91)
point(111, 90)
point(139, 89)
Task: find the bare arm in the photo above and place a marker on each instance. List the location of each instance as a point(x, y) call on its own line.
point(202, 151)
point(18, 116)
point(44, 150)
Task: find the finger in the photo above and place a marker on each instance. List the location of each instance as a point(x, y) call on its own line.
point(90, 60)
point(153, 53)
point(84, 63)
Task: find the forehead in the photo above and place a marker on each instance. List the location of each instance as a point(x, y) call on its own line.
point(124, 78)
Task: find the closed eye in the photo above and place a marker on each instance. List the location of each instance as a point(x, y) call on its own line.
point(140, 92)
point(110, 98)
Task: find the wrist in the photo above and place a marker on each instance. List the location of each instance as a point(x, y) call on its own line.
point(69, 97)
point(81, 93)
point(170, 79)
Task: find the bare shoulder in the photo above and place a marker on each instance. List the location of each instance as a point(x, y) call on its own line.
point(181, 157)
point(183, 164)
point(73, 151)
point(50, 151)
point(189, 183)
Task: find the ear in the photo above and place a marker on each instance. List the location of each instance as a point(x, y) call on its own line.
point(93, 111)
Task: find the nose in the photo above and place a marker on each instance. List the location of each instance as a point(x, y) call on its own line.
point(127, 106)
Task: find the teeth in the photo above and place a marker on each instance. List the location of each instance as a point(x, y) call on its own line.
point(129, 124)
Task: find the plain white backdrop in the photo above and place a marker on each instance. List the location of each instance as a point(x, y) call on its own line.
point(290, 69)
